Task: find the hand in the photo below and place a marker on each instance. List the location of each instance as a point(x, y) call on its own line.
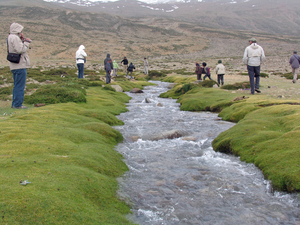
point(27, 40)
point(22, 36)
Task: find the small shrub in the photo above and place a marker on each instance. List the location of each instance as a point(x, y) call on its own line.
point(52, 94)
point(236, 86)
point(6, 90)
point(264, 75)
point(288, 76)
point(208, 83)
point(155, 73)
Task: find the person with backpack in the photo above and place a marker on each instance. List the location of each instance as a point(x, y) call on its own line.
point(206, 71)
point(198, 71)
point(294, 62)
point(108, 71)
point(130, 69)
point(220, 71)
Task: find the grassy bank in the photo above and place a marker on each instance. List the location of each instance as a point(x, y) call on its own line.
point(266, 133)
point(66, 151)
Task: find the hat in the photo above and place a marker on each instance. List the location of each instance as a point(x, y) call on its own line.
point(204, 64)
point(295, 52)
point(252, 39)
point(220, 61)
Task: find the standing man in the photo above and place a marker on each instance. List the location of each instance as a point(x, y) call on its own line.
point(294, 62)
point(108, 71)
point(16, 43)
point(80, 60)
point(125, 65)
point(108, 59)
point(253, 56)
point(146, 65)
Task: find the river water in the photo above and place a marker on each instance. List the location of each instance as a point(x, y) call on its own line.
point(175, 176)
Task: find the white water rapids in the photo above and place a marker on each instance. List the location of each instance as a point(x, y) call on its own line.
point(183, 180)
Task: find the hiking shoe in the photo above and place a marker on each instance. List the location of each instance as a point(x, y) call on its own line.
point(21, 107)
point(257, 90)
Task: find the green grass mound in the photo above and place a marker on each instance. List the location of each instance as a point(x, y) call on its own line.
point(67, 153)
point(236, 86)
point(268, 137)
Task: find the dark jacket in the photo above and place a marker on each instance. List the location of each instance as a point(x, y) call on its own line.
point(130, 67)
point(205, 70)
point(294, 61)
point(108, 58)
point(108, 67)
point(198, 69)
point(124, 61)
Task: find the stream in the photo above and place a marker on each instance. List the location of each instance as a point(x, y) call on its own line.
point(175, 176)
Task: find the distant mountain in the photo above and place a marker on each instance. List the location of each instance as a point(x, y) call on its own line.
point(271, 16)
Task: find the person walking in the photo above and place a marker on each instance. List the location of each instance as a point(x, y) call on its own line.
point(125, 64)
point(80, 60)
point(116, 67)
point(108, 59)
point(220, 71)
point(198, 71)
point(16, 43)
point(206, 71)
point(254, 55)
point(108, 71)
point(146, 65)
point(130, 69)
point(294, 62)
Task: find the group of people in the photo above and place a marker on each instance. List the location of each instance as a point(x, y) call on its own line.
point(18, 46)
point(253, 57)
point(220, 71)
point(111, 67)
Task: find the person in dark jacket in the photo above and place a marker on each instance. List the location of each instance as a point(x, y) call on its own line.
point(125, 64)
point(108, 71)
point(130, 69)
point(206, 71)
point(106, 60)
point(294, 62)
point(198, 71)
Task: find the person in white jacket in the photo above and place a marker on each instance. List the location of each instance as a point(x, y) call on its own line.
point(16, 43)
point(253, 57)
point(220, 71)
point(80, 60)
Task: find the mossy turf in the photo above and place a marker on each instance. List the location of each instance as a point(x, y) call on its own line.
point(67, 152)
point(267, 131)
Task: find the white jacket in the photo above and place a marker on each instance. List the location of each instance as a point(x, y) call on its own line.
point(220, 69)
point(16, 45)
point(80, 54)
point(254, 55)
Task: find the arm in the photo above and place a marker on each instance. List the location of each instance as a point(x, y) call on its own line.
point(245, 57)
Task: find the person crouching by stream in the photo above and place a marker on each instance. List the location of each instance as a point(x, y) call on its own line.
point(206, 71)
point(16, 43)
point(220, 71)
point(80, 60)
point(130, 69)
point(198, 71)
point(108, 71)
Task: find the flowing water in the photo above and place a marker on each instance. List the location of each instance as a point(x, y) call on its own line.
point(175, 176)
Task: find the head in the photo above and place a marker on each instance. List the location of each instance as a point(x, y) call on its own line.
point(16, 28)
point(81, 47)
point(145, 58)
point(204, 64)
point(220, 61)
point(295, 52)
point(252, 40)
point(108, 55)
point(124, 57)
